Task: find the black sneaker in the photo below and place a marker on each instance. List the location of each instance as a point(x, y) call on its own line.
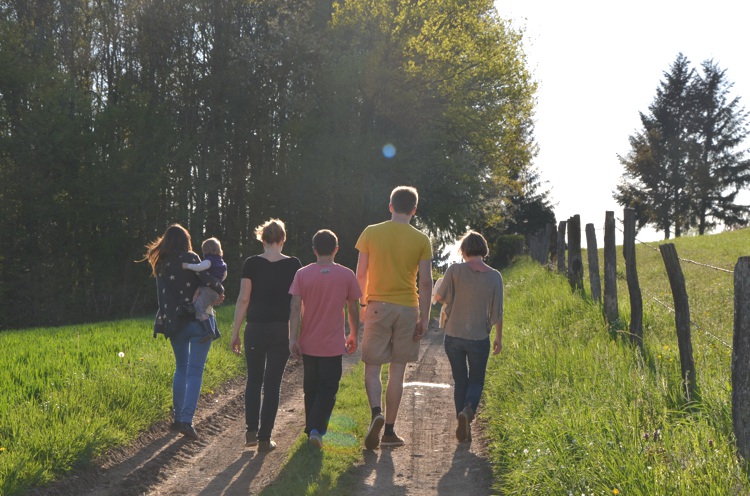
point(187, 430)
point(392, 440)
point(372, 439)
point(266, 446)
point(251, 438)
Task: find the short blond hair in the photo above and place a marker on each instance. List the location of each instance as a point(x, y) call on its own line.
point(404, 199)
point(271, 231)
point(212, 246)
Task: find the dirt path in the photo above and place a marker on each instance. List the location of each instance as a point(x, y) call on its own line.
point(161, 463)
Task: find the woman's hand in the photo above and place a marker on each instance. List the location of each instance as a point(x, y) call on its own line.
point(236, 343)
point(497, 346)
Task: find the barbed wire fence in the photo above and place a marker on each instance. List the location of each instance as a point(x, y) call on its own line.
point(550, 247)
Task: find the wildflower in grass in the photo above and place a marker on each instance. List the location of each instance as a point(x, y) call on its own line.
point(2, 448)
point(121, 354)
point(615, 491)
point(659, 356)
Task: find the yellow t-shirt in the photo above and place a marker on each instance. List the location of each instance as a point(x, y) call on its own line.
point(394, 251)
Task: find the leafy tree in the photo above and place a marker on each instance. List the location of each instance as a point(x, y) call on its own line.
point(118, 117)
point(685, 168)
point(721, 169)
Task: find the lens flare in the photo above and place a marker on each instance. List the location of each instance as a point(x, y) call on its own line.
point(389, 151)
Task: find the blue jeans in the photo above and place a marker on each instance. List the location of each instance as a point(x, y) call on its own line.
point(190, 360)
point(468, 359)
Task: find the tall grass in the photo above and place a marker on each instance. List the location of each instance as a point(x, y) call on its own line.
point(71, 393)
point(572, 408)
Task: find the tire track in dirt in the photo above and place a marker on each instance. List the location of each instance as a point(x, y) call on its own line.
point(162, 463)
point(431, 462)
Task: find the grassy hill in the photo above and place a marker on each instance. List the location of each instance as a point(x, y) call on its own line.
point(574, 409)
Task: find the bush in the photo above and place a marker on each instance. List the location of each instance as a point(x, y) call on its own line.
point(504, 249)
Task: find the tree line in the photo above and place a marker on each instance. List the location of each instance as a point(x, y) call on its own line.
point(687, 164)
point(119, 117)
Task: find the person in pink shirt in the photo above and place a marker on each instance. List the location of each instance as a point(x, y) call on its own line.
point(320, 291)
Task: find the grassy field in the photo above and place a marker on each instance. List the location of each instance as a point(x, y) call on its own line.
point(71, 393)
point(571, 407)
point(574, 409)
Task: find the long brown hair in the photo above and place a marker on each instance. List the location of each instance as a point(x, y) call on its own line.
point(175, 240)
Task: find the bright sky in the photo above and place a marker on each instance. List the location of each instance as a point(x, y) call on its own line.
point(598, 64)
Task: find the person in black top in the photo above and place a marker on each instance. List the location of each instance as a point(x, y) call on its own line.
point(264, 303)
point(175, 287)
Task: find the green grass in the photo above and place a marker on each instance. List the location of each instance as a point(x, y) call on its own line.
point(571, 407)
point(311, 471)
point(574, 409)
point(67, 395)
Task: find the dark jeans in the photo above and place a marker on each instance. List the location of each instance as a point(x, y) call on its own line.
point(266, 354)
point(468, 359)
point(321, 383)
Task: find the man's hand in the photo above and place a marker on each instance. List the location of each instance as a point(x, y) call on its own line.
point(419, 330)
point(294, 350)
point(184, 265)
point(351, 343)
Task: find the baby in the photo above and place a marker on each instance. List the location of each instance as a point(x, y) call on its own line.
point(207, 297)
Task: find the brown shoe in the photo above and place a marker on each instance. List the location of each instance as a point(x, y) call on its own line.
point(373, 433)
point(463, 431)
point(391, 440)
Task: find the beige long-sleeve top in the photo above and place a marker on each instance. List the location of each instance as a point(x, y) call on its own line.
point(473, 301)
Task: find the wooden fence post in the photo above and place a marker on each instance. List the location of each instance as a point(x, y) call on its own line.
point(611, 309)
point(741, 357)
point(593, 255)
point(634, 289)
point(539, 244)
point(561, 246)
point(575, 261)
point(548, 230)
point(681, 315)
point(552, 245)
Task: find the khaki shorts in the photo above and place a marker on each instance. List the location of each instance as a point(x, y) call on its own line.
point(389, 334)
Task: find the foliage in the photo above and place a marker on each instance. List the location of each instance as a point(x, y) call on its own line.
point(504, 250)
point(118, 118)
point(685, 167)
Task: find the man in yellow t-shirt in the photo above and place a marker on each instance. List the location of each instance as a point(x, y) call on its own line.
point(396, 312)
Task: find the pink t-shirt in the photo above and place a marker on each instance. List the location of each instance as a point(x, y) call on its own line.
point(325, 289)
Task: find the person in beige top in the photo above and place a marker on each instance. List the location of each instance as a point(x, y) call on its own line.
point(472, 297)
